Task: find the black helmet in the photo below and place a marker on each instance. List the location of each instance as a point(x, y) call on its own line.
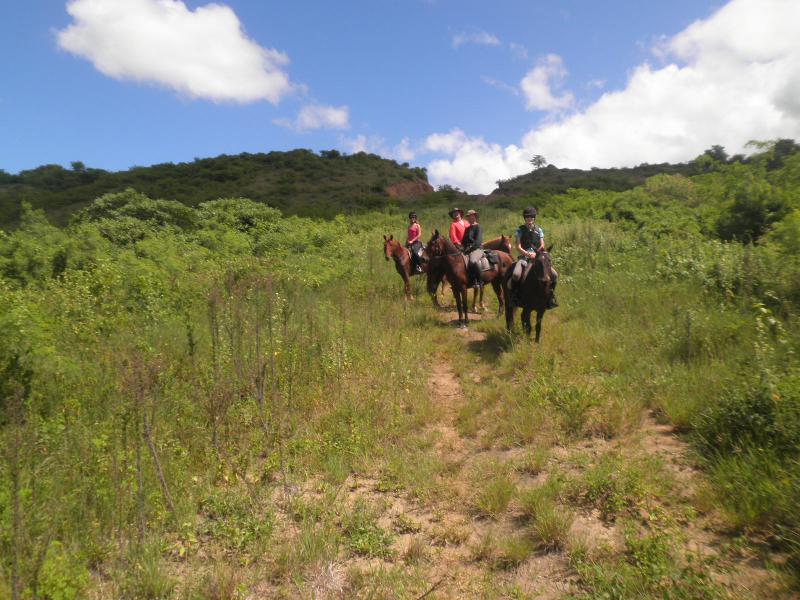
point(529, 212)
point(412, 215)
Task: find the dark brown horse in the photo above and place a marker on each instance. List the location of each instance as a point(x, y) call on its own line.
point(533, 293)
point(503, 244)
point(445, 260)
point(392, 249)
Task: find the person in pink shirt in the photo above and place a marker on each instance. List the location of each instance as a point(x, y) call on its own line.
point(457, 227)
point(413, 242)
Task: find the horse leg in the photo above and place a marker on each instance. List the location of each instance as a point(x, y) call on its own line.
point(539, 315)
point(462, 303)
point(498, 291)
point(407, 286)
point(526, 320)
point(474, 299)
point(509, 315)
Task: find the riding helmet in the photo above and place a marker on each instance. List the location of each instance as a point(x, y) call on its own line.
point(529, 212)
point(453, 212)
point(412, 215)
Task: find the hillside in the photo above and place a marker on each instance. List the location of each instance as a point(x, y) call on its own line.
point(553, 180)
point(297, 182)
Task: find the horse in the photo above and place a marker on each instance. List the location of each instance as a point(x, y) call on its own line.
point(504, 244)
point(533, 293)
point(393, 249)
point(445, 260)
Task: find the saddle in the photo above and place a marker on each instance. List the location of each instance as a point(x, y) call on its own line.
point(484, 260)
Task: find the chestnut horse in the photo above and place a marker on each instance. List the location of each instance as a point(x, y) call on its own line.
point(445, 260)
point(502, 243)
point(392, 249)
point(439, 269)
point(533, 293)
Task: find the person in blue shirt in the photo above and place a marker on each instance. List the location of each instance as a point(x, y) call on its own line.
point(530, 240)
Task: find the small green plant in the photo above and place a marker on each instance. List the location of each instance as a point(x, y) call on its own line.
point(511, 552)
point(144, 577)
point(494, 495)
point(366, 537)
point(62, 577)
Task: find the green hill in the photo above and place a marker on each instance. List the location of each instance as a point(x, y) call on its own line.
point(297, 182)
point(553, 180)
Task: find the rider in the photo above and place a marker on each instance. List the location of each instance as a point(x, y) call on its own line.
point(530, 240)
point(412, 242)
point(457, 227)
point(471, 246)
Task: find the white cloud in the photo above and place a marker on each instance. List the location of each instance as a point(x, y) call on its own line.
point(202, 53)
point(473, 164)
point(402, 152)
point(480, 38)
point(538, 83)
point(734, 76)
point(316, 116)
point(500, 85)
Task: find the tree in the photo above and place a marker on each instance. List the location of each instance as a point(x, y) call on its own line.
point(538, 161)
point(718, 153)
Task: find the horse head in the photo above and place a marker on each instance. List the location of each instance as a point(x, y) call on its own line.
point(388, 246)
point(506, 244)
point(435, 245)
point(543, 270)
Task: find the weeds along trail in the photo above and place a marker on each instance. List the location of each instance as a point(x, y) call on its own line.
point(556, 511)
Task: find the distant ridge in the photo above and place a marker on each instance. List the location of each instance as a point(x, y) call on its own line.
point(552, 180)
point(297, 182)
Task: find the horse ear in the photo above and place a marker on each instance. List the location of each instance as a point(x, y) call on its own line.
point(391, 237)
point(384, 238)
point(550, 248)
point(435, 233)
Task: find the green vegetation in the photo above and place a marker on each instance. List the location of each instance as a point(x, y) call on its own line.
point(214, 381)
point(297, 182)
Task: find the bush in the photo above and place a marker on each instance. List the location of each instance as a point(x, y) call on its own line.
point(752, 416)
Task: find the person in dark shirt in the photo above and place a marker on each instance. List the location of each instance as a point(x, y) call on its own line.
point(530, 241)
point(471, 246)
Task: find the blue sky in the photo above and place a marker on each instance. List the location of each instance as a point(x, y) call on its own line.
point(467, 88)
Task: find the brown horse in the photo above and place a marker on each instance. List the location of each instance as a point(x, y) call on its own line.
point(392, 249)
point(445, 260)
point(504, 244)
point(533, 293)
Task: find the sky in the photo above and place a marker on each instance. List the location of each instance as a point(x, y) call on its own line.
point(469, 89)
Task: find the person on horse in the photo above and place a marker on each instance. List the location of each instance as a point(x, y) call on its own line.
point(457, 227)
point(471, 246)
point(530, 240)
point(413, 243)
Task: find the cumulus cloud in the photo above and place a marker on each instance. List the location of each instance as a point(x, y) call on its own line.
point(202, 53)
point(480, 38)
point(730, 78)
point(473, 164)
point(316, 116)
point(538, 85)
